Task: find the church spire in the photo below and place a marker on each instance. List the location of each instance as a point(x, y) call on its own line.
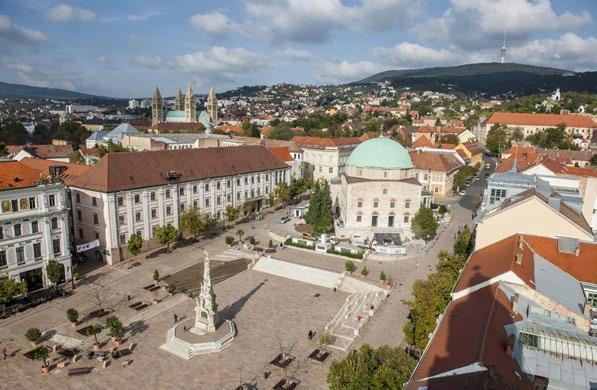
point(190, 106)
point(189, 91)
point(157, 107)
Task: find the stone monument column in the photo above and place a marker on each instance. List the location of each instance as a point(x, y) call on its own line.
point(205, 308)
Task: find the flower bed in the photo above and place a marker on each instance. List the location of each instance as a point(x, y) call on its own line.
point(298, 244)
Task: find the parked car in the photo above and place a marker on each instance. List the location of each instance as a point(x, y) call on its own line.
point(462, 193)
point(284, 219)
point(258, 217)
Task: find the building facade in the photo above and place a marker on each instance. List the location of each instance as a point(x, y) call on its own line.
point(110, 205)
point(325, 158)
point(33, 225)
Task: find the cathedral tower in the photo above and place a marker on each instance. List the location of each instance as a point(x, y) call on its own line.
point(157, 107)
point(211, 106)
point(178, 103)
point(190, 106)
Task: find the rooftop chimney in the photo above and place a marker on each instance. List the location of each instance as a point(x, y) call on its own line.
point(554, 202)
point(568, 245)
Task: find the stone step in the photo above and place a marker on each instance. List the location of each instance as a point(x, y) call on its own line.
point(354, 285)
point(341, 343)
point(66, 341)
point(298, 272)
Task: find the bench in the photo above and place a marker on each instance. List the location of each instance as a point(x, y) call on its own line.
point(79, 371)
point(134, 305)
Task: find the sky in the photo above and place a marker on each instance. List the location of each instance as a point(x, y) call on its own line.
point(124, 48)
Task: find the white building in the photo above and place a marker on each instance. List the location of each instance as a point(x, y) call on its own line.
point(33, 225)
point(325, 157)
point(133, 104)
point(133, 193)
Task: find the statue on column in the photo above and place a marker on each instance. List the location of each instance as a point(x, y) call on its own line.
point(206, 307)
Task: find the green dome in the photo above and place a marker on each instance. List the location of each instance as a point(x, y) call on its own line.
point(382, 153)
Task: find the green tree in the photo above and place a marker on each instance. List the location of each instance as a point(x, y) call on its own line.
point(498, 138)
point(240, 233)
point(115, 326)
point(462, 246)
point(231, 214)
point(54, 271)
point(94, 330)
point(424, 224)
point(195, 222)
point(111, 147)
point(349, 266)
point(282, 191)
point(251, 129)
point(382, 276)
point(14, 133)
point(72, 315)
point(41, 353)
point(166, 235)
point(135, 244)
point(9, 288)
point(156, 276)
point(369, 368)
point(33, 334)
point(364, 272)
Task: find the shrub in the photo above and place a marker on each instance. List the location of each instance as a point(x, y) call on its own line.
point(349, 266)
point(72, 315)
point(271, 244)
point(156, 276)
point(252, 240)
point(33, 334)
point(171, 288)
point(442, 209)
point(382, 276)
point(229, 240)
point(346, 253)
point(114, 325)
point(290, 243)
point(364, 272)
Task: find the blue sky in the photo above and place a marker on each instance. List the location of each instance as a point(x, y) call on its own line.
point(124, 48)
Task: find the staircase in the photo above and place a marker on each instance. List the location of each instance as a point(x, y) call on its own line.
point(301, 273)
point(66, 341)
point(345, 326)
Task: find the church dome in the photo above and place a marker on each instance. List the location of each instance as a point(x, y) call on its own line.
point(381, 153)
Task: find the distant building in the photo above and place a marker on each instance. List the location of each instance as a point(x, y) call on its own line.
point(133, 104)
point(47, 152)
point(325, 157)
point(529, 124)
point(185, 109)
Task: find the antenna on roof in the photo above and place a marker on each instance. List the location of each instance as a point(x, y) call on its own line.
point(503, 50)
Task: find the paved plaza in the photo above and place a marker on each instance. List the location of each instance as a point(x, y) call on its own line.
point(273, 314)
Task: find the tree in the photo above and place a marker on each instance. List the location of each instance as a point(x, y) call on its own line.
point(9, 288)
point(319, 215)
point(94, 330)
point(368, 368)
point(115, 326)
point(282, 192)
point(72, 315)
point(364, 272)
point(424, 224)
point(156, 276)
point(382, 276)
point(462, 246)
point(240, 233)
point(195, 222)
point(54, 271)
point(498, 138)
point(73, 133)
point(41, 354)
point(251, 129)
point(14, 133)
point(111, 147)
point(349, 266)
point(231, 214)
point(166, 235)
point(33, 334)
point(135, 244)
point(229, 240)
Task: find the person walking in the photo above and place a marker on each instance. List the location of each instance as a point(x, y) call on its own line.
point(175, 318)
point(4, 354)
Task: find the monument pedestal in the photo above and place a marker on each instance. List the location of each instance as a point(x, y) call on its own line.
point(187, 343)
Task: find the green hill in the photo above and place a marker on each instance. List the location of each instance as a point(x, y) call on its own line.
point(17, 91)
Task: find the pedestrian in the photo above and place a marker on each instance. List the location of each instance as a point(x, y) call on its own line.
point(4, 354)
point(175, 318)
point(310, 334)
point(128, 297)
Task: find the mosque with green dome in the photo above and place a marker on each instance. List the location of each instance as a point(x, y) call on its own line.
point(375, 193)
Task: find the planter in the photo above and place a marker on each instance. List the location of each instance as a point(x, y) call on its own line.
point(96, 347)
point(73, 324)
point(33, 343)
point(45, 369)
point(171, 294)
point(115, 342)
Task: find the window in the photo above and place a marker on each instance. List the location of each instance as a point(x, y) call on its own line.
point(137, 216)
point(121, 219)
point(52, 200)
point(529, 339)
point(152, 196)
point(238, 181)
point(154, 213)
point(331, 170)
point(181, 191)
point(168, 194)
point(359, 218)
point(375, 203)
point(78, 197)
point(17, 229)
point(93, 201)
point(34, 227)
point(266, 177)
point(406, 218)
point(391, 221)
point(95, 219)
point(182, 207)
point(385, 191)
point(194, 189)
point(81, 233)
point(392, 204)
point(228, 183)
point(360, 203)
point(1, 233)
point(2, 259)
point(119, 201)
point(246, 180)
point(206, 187)
point(168, 210)
point(217, 185)
point(592, 299)
point(252, 179)
point(137, 198)
point(238, 195)
point(228, 198)
point(56, 247)
point(374, 220)
point(37, 251)
point(31, 203)
point(219, 200)
point(79, 215)
point(195, 204)
point(96, 235)
point(20, 255)
point(123, 239)
point(54, 223)
point(206, 202)
point(385, 174)
point(407, 204)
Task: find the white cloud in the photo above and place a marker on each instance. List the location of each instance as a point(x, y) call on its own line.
point(474, 24)
point(296, 54)
point(131, 17)
point(569, 51)
point(407, 54)
point(65, 12)
point(11, 33)
point(215, 23)
point(344, 71)
point(216, 60)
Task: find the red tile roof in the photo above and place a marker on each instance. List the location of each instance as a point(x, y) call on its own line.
point(14, 174)
point(131, 170)
point(320, 142)
point(89, 152)
point(434, 161)
point(442, 130)
point(281, 152)
point(72, 171)
point(231, 129)
point(551, 120)
point(422, 142)
point(266, 130)
point(43, 151)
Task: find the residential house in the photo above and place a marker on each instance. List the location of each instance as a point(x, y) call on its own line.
point(435, 171)
point(46, 152)
point(325, 157)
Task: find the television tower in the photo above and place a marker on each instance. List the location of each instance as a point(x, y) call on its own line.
point(503, 51)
